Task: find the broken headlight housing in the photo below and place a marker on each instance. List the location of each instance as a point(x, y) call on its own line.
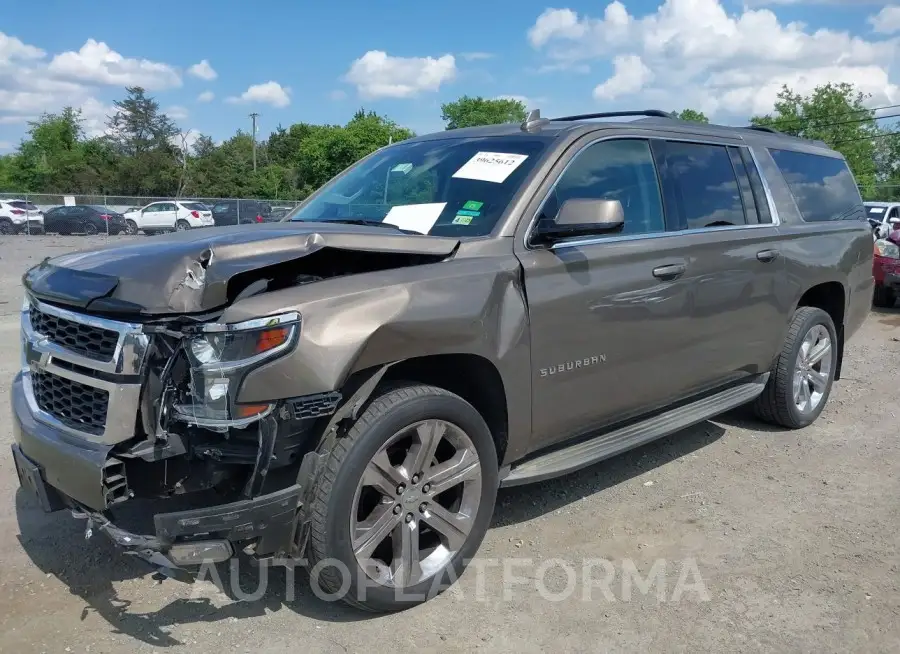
point(220, 355)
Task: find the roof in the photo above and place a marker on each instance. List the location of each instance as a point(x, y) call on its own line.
point(654, 119)
point(880, 204)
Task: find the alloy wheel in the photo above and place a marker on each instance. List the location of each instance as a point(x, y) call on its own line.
point(416, 503)
point(812, 371)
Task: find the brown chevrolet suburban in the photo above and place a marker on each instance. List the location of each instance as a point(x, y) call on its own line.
point(454, 313)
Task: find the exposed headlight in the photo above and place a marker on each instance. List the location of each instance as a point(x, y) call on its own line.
point(219, 358)
point(884, 248)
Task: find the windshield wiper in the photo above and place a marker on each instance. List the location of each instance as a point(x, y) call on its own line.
point(368, 223)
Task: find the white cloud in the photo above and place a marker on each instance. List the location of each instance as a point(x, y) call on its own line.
point(203, 70)
point(187, 139)
point(206, 96)
point(886, 21)
point(177, 112)
point(694, 53)
point(476, 56)
point(268, 93)
point(379, 75)
point(94, 114)
point(630, 76)
point(5, 146)
point(96, 63)
point(12, 48)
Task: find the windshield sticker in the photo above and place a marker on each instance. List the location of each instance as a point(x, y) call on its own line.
point(876, 209)
point(472, 205)
point(462, 220)
point(463, 212)
point(403, 168)
point(490, 166)
point(415, 217)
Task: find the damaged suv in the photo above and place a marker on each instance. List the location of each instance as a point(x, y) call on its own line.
point(454, 313)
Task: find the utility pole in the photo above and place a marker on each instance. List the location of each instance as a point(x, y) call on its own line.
point(253, 118)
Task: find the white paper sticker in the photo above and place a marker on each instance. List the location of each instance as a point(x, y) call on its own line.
point(876, 209)
point(490, 166)
point(415, 217)
point(403, 168)
point(69, 200)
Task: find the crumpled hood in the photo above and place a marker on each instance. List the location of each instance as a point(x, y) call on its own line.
point(188, 272)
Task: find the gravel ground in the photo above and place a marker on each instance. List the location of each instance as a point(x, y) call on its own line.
point(784, 541)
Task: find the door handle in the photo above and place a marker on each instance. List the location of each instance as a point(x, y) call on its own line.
point(672, 271)
point(767, 255)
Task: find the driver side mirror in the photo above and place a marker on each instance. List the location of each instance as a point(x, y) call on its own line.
point(582, 217)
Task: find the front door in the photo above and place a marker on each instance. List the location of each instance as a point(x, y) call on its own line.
point(610, 315)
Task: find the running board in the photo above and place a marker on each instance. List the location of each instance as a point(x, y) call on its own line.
point(608, 444)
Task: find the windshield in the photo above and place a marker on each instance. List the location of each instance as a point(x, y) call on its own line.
point(875, 212)
point(447, 187)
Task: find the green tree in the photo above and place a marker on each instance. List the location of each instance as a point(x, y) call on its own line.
point(837, 115)
point(473, 111)
point(691, 115)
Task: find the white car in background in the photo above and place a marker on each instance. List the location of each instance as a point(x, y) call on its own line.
point(169, 215)
point(884, 217)
point(19, 217)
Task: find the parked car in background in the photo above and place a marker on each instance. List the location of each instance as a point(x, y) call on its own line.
point(84, 219)
point(168, 215)
point(886, 269)
point(233, 212)
point(20, 216)
point(881, 216)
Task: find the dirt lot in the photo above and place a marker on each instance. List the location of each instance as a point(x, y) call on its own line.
point(793, 535)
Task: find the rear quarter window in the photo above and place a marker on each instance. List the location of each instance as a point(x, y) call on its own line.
point(823, 187)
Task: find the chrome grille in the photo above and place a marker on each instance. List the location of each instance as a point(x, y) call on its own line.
point(77, 405)
point(81, 373)
point(86, 340)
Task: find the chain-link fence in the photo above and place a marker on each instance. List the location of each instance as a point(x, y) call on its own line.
point(39, 214)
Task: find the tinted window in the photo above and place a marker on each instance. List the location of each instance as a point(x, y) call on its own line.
point(706, 182)
point(876, 212)
point(27, 206)
point(614, 170)
point(823, 187)
point(194, 206)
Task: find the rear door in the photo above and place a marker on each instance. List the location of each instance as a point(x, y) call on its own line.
point(610, 315)
point(737, 312)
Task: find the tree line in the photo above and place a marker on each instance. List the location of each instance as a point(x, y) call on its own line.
point(143, 152)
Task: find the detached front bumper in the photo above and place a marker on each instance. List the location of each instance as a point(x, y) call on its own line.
point(62, 471)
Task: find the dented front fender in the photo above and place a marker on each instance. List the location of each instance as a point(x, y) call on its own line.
point(468, 305)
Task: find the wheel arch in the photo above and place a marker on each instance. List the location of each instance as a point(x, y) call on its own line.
point(473, 377)
point(830, 297)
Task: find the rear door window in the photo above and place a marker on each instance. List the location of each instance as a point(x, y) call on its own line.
point(823, 187)
point(710, 195)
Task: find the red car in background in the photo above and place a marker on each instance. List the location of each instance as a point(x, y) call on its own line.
point(886, 270)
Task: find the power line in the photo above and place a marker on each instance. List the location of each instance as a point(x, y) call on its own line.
point(866, 138)
point(803, 119)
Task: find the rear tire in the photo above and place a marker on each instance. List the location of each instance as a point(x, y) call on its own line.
point(884, 297)
point(801, 378)
point(89, 229)
point(359, 522)
point(131, 227)
point(182, 226)
point(6, 226)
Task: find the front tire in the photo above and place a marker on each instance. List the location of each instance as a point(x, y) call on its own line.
point(802, 375)
point(404, 500)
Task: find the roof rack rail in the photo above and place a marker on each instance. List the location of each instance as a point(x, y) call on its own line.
point(658, 113)
point(763, 128)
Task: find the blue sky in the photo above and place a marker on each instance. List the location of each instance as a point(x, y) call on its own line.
point(319, 62)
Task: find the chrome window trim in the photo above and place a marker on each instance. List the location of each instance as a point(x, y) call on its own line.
point(594, 240)
point(38, 353)
point(773, 210)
